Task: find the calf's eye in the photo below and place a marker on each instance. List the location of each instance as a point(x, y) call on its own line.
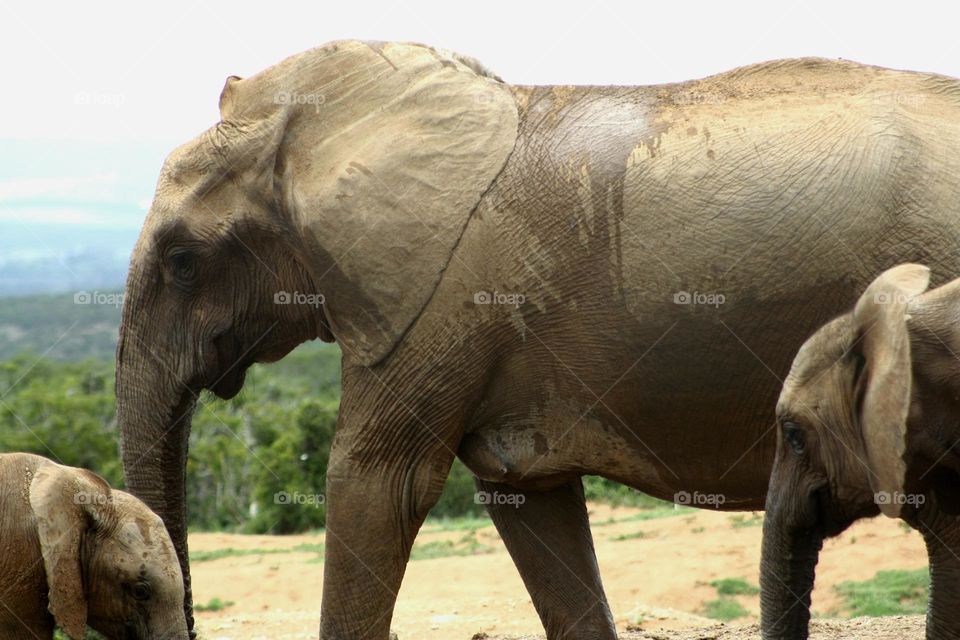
point(141, 591)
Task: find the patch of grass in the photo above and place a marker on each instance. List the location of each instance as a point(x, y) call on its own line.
point(734, 587)
point(741, 521)
point(440, 525)
point(889, 593)
point(468, 545)
point(215, 604)
point(646, 514)
point(91, 635)
point(230, 552)
point(698, 530)
point(632, 536)
point(724, 608)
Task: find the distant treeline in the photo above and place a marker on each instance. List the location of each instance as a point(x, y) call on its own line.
point(72, 326)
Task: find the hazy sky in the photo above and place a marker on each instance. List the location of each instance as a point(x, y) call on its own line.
point(124, 82)
point(133, 71)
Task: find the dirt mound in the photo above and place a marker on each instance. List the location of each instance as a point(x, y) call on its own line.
point(893, 628)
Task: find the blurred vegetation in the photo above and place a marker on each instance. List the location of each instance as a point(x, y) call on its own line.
point(257, 463)
point(888, 593)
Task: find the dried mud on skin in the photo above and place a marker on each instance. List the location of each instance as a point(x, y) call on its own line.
point(891, 628)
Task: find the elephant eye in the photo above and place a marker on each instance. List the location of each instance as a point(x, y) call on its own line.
point(794, 436)
point(182, 264)
point(141, 591)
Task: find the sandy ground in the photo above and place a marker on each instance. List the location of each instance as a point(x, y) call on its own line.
point(657, 580)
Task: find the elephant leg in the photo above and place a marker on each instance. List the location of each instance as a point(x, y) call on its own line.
point(548, 536)
point(941, 533)
point(391, 454)
point(372, 520)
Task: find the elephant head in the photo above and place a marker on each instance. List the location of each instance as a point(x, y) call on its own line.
point(326, 203)
point(108, 560)
point(842, 418)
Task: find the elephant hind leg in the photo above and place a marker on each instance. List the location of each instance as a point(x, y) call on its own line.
point(548, 536)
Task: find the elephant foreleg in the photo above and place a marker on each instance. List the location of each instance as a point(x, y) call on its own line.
point(548, 536)
point(372, 520)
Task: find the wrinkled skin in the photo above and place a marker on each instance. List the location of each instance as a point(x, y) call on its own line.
point(867, 417)
point(77, 553)
point(782, 187)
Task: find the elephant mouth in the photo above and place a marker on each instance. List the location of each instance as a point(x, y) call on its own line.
point(232, 364)
point(830, 516)
point(323, 327)
point(230, 383)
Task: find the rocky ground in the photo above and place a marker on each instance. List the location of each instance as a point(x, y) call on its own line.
point(893, 628)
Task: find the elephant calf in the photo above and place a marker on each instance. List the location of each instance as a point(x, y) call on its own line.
point(869, 418)
point(74, 553)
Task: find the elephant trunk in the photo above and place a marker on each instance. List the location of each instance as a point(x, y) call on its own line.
point(788, 561)
point(153, 416)
point(942, 537)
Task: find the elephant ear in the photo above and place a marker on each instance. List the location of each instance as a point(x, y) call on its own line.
point(387, 151)
point(67, 503)
point(881, 320)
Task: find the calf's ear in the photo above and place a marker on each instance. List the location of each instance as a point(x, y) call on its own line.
point(67, 504)
point(881, 320)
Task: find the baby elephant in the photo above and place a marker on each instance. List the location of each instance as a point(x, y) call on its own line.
point(74, 553)
point(869, 423)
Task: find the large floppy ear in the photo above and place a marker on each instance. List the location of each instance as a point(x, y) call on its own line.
point(881, 320)
point(246, 141)
point(389, 148)
point(67, 503)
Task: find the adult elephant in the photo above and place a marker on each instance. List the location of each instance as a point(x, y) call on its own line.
point(544, 281)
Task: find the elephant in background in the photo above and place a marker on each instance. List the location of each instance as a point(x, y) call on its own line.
point(78, 553)
point(868, 418)
point(546, 281)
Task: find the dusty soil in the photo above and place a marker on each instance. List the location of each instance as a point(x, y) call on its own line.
point(894, 628)
point(656, 573)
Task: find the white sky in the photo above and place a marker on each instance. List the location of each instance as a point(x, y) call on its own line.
point(132, 71)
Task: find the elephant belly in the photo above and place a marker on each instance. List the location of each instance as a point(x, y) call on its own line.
point(547, 441)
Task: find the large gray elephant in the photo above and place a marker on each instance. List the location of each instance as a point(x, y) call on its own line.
point(544, 281)
point(868, 421)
